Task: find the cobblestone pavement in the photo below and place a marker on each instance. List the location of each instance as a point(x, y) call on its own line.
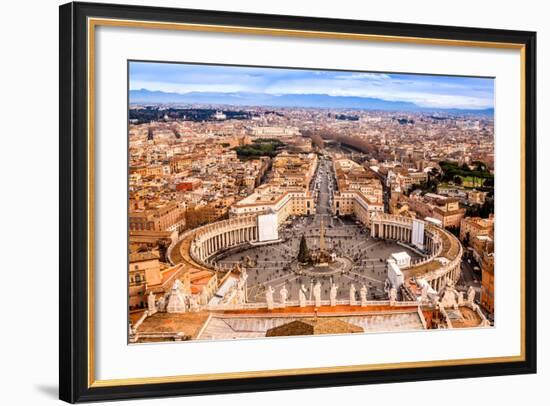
point(271, 263)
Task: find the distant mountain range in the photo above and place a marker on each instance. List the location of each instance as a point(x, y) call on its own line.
point(144, 96)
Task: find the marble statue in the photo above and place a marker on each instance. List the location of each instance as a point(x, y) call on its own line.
point(161, 304)
point(424, 294)
point(244, 274)
point(317, 294)
point(302, 296)
point(461, 299)
point(393, 294)
point(363, 295)
point(204, 296)
point(471, 296)
point(240, 295)
point(193, 304)
point(269, 297)
point(283, 293)
point(176, 302)
point(441, 308)
point(333, 294)
point(387, 286)
point(352, 300)
point(151, 305)
point(450, 295)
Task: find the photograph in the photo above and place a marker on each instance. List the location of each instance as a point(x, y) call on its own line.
point(269, 202)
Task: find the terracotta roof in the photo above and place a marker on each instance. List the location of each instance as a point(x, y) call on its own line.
point(143, 256)
point(197, 276)
point(188, 323)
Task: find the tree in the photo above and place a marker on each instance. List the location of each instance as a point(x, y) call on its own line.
point(467, 239)
point(457, 180)
point(490, 182)
point(303, 252)
point(454, 230)
point(433, 174)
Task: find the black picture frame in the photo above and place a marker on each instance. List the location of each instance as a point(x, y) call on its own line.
point(74, 384)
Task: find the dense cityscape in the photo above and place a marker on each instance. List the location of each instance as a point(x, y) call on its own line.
point(264, 221)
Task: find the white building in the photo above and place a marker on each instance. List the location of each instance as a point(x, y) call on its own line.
point(402, 259)
point(395, 276)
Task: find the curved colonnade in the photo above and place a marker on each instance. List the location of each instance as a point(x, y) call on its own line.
point(210, 239)
point(441, 257)
point(443, 251)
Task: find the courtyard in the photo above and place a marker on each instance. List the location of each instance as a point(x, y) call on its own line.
point(272, 265)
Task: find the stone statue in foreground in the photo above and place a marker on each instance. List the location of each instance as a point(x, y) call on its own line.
point(176, 302)
point(269, 297)
point(363, 295)
point(151, 304)
point(284, 295)
point(333, 294)
point(352, 300)
point(317, 294)
point(393, 294)
point(302, 296)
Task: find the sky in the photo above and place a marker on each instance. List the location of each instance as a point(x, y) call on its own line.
point(424, 90)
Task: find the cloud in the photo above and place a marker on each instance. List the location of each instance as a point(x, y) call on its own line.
point(423, 90)
point(167, 87)
point(363, 75)
point(422, 93)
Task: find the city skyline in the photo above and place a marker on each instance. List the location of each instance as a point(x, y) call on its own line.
point(296, 87)
point(251, 215)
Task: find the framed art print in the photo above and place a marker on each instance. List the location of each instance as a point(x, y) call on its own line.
point(258, 202)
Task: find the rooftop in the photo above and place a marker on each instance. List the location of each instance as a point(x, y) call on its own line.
point(143, 256)
point(250, 325)
point(187, 323)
